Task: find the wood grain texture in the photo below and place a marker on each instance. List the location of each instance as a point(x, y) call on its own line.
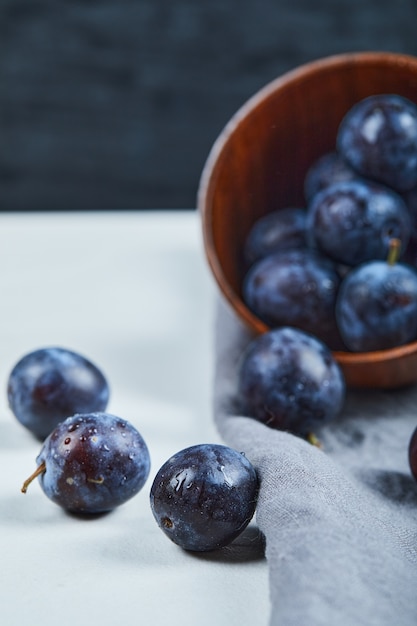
point(258, 164)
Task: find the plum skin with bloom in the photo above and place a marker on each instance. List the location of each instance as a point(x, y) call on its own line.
point(376, 307)
point(289, 380)
point(412, 454)
point(50, 384)
point(378, 139)
point(282, 229)
point(327, 170)
point(295, 288)
point(354, 221)
point(204, 496)
point(93, 463)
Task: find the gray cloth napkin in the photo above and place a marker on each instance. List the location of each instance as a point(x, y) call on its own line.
point(340, 522)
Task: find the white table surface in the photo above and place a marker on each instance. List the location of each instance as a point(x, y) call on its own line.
point(131, 291)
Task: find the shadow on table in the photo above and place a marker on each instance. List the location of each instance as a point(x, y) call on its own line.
point(248, 547)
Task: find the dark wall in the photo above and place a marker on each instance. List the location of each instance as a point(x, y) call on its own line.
point(115, 104)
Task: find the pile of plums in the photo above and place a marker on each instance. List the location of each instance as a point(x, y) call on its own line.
point(344, 267)
point(327, 277)
point(92, 461)
point(339, 274)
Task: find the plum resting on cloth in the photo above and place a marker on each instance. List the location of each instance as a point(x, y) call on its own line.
point(339, 523)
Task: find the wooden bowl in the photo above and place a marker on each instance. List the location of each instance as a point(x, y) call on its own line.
point(258, 164)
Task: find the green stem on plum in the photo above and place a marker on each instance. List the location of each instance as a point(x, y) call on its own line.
point(311, 438)
point(394, 251)
point(38, 471)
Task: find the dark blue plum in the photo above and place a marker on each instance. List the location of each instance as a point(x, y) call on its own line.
point(279, 230)
point(410, 199)
point(353, 222)
point(289, 380)
point(297, 288)
point(204, 496)
point(92, 463)
point(376, 307)
point(328, 169)
point(378, 139)
point(412, 454)
point(50, 384)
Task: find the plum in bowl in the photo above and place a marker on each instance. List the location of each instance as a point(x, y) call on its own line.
point(258, 165)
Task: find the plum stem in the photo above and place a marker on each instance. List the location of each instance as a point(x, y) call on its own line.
point(96, 481)
point(311, 438)
point(38, 471)
point(394, 251)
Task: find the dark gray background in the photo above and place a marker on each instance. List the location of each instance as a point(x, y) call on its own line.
point(115, 104)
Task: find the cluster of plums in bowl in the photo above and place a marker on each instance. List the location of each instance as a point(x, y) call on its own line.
point(308, 202)
point(259, 166)
point(333, 269)
point(92, 461)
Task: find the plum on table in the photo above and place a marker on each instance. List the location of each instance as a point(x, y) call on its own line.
point(412, 453)
point(92, 463)
point(50, 384)
point(204, 496)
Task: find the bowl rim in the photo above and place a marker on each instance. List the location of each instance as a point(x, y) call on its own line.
point(215, 155)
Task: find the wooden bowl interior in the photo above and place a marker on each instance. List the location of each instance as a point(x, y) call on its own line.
point(259, 162)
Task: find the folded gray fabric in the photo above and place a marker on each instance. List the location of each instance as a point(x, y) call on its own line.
point(340, 522)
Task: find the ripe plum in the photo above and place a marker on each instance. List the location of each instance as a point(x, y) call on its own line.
point(354, 221)
point(412, 453)
point(296, 288)
point(376, 307)
point(289, 380)
point(92, 463)
point(328, 169)
point(204, 496)
point(278, 230)
point(378, 139)
point(410, 255)
point(50, 384)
